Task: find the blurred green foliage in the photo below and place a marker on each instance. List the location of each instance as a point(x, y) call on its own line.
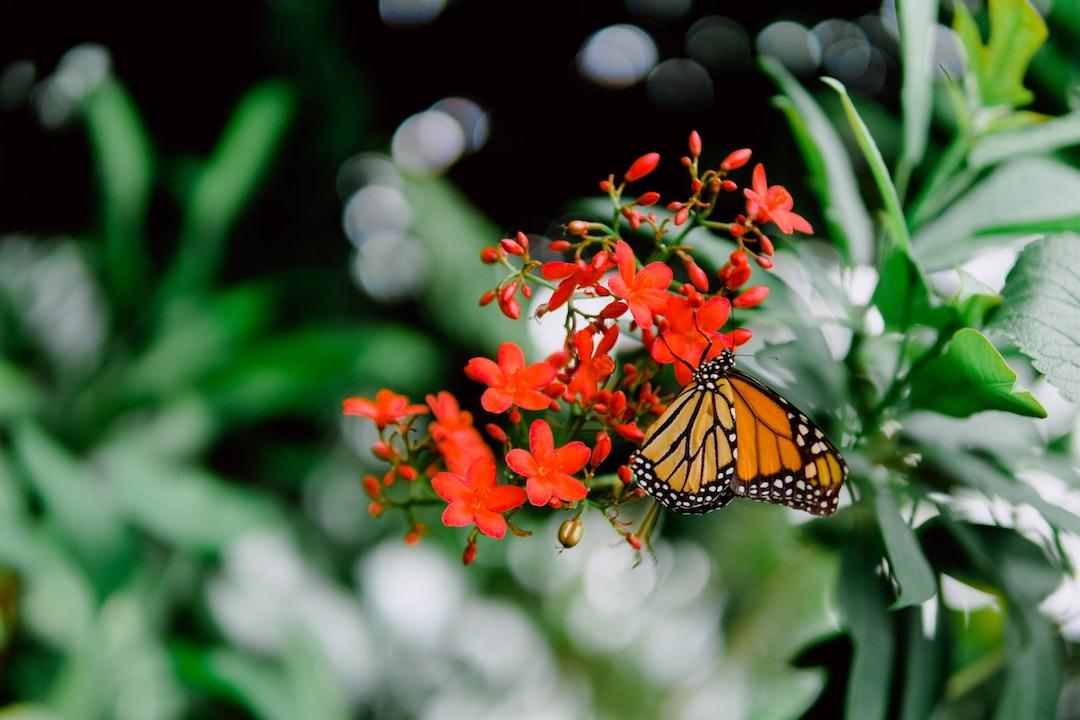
point(117, 513)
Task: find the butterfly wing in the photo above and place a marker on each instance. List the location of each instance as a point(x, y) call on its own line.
point(781, 457)
point(687, 458)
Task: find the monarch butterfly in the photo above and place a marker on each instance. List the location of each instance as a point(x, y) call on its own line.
point(725, 436)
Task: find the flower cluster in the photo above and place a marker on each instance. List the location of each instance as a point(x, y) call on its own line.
point(585, 410)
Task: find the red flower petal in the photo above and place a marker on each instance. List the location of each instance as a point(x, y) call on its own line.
point(448, 486)
point(572, 457)
point(537, 375)
point(486, 371)
point(522, 462)
point(495, 400)
point(511, 358)
point(491, 524)
point(505, 497)
point(457, 514)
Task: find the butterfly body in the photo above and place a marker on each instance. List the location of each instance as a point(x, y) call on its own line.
point(726, 435)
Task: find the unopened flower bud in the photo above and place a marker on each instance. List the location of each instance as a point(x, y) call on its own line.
point(375, 509)
point(577, 227)
point(511, 246)
point(559, 246)
point(495, 432)
point(751, 297)
point(646, 199)
point(642, 166)
point(570, 532)
point(487, 297)
point(634, 541)
point(601, 450)
point(695, 143)
point(624, 474)
point(469, 555)
point(489, 256)
point(736, 159)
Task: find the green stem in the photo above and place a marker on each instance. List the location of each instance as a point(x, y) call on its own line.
point(648, 524)
point(946, 167)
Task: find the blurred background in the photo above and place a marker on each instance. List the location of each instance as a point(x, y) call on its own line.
point(217, 220)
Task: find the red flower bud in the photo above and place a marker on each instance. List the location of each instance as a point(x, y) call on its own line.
point(630, 432)
point(738, 257)
point(506, 292)
point(577, 227)
point(674, 205)
point(728, 186)
point(682, 216)
point(695, 143)
point(487, 297)
point(737, 231)
point(412, 538)
point(511, 309)
point(695, 185)
point(555, 390)
point(624, 474)
point(764, 262)
point(685, 161)
point(638, 492)
point(751, 297)
point(642, 166)
point(522, 239)
point(469, 555)
point(605, 186)
point(697, 275)
point(739, 336)
point(489, 256)
point(388, 478)
point(736, 160)
point(383, 451)
point(375, 509)
point(738, 276)
point(601, 450)
point(559, 246)
point(495, 432)
point(558, 359)
point(646, 199)
point(613, 310)
point(407, 472)
point(766, 245)
point(515, 415)
point(526, 290)
point(511, 247)
point(634, 541)
point(371, 486)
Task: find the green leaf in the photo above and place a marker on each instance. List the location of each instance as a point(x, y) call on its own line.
point(863, 604)
point(831, 174)
point(1017, 31)
point(974, 301)
point(1043, 137)
point(917, 20)
point(926, 664)
point(81, 511)
point(968, 377)
point(225, 185)
point(313, 369)
point(902, 294)
point(124, 164)
point(1041, 310)
point(1021, 196)
point(454, 232)
point(894, 213)
point(186, 507)
point(1034, 667)
point(917, 581)
point(19, 395)
point(258, 686)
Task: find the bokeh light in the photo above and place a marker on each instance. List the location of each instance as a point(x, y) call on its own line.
point(618, 56)
point(718, 43)
point(792, 44)
point(428, 142)
point(680, 85)
point(410, 13)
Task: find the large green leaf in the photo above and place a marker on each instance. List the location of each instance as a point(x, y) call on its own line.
point(1026, 192)
point(968, 377)
point(1041, 309)
point(906, 559)
point(310, 370)
point(124, 164)
point(902, 293)
point(1043, 137)
point(226, 183)
point(84, 514)
point(19, 395)
point(894, 212)
point(926, 663)
point(917, 19)
point(831, 174)
point(1016, 32)
point(185, 507)
point(863, 603)
point(1034, 672)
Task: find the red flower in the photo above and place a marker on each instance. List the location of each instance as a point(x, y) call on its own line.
point(547, 470)
point(574, 275)
point(689, 333)
point(773, 203)
point(459, 443)
point(510, 382)
point(388, 407)
point(475, 498)
point(646, 291)
point(592, 368)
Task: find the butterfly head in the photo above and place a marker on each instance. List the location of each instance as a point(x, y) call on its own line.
point(717, 367)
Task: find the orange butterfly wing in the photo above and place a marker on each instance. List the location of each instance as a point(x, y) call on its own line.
point(782, 456)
